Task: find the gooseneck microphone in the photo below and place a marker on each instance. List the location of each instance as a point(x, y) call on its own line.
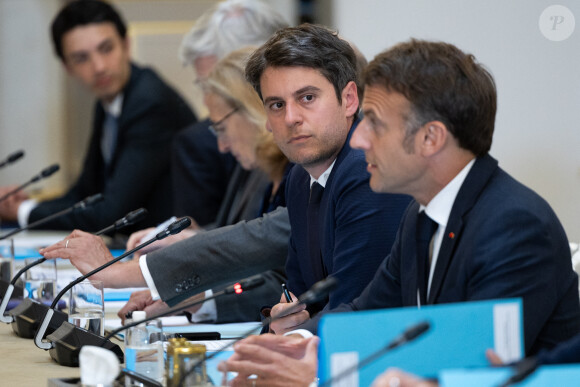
point(12, 158)
point(129, 219)
point(408, 335)
point(46, 172)
point(316, 293)
point(28, 310)
point(61, 352)
point(237, 288)
point(80, 206)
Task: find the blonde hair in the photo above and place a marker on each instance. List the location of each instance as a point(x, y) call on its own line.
point(227, 80)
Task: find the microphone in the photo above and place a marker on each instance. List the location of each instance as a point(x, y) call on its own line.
point(317, 292)
point(523, 369)
point(83, 204)
point(28, 310)
point(27, 319)
point(237, 288)
point(408, 335)
point(128, 220)
point(65, 343)
point(12, 158)
point(46, 172)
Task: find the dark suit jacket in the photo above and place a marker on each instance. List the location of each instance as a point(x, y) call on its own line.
point(357, 229)
point(138, 175)
point(502, 240)
point(220, 257)
point(200, 173)
point(567, 352)
point(242, 198)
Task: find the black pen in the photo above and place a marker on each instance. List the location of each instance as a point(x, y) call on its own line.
point(286, 293)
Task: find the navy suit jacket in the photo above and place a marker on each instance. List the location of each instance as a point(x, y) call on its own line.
point(357, 227)
point(138, 175)
point(502, 240)
point(568, 352)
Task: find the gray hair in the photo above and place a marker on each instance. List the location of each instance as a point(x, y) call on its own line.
point(228, 26)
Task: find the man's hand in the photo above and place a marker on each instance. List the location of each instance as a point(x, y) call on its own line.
point(493, 358)
point(292, 315)
point(136, 239)
point(276, 360)
point(9, 206)
point(142, 300)
point(87, 252)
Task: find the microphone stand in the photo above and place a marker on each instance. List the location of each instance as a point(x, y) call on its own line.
point(237, 288)
point(62, 352)
point(46, 172)
point(12, 158)
point(317, 292)
point(89, 201)
point(127, 220)
point(28, 312)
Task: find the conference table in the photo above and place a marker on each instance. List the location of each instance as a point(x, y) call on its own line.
point(23, 364)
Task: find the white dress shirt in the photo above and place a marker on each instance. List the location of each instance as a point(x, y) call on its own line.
point(439, 209)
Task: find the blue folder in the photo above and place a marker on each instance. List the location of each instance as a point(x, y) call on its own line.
point(458, 336)
point(553, 375)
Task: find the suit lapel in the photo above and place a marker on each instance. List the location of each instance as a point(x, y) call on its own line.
point(467, 196)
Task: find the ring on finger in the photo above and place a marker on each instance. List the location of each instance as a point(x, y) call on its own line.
point(66, 244)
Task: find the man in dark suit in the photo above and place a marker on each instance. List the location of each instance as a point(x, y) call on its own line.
point(311, 110)
point(307, 78)
point(429, 119)
point(135, 119)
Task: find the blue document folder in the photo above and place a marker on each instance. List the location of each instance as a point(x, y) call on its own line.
point(458, 336)
point(553, 375)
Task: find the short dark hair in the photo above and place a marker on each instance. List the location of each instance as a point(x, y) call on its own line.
point(442, 83)
point(80, 13)
point(307, 45)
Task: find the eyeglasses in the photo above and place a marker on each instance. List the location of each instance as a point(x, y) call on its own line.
point(215, 127)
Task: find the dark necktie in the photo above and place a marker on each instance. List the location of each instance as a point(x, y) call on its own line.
point(425, 229)
point(314, 252)
point(109, 137)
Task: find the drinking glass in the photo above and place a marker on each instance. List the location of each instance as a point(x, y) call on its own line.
point(6, 260)
point(86, 306)
point(40, 281)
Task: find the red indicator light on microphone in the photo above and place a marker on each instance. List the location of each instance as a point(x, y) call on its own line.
point(238, 288)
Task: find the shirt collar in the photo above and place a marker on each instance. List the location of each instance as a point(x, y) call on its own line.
point(324, 177)
point(439, 208)
point(114, 108)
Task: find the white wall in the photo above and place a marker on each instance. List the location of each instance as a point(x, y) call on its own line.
point(31, 86)
point(48, 114)
point(537, 135)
